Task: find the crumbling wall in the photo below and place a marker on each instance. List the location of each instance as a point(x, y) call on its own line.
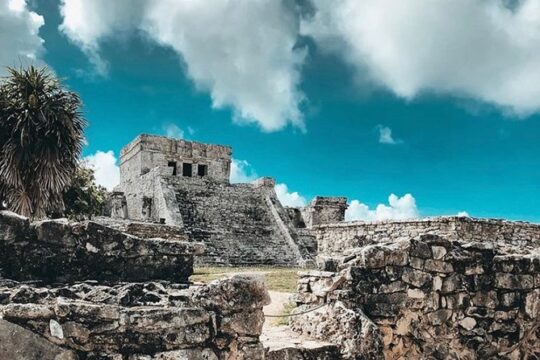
point(430, 297)
point(134, 321)
point(339, 239)
point(98, 293)
point(324, 210)
point(59, 251)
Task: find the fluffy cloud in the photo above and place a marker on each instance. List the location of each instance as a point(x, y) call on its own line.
point(410, 46)
point(105, 168)
point(385, 136)
point(242, 171)
point(463, 214)
point(292, 199)
point(19, 35)
point(173, 131)
point(244, 54)
point(398, 208)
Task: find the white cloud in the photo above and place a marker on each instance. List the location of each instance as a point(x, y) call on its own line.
point(410, 46)
point(385, 136)
point(105, 167)
point(292, 199)
point(398, 208)
point(242, 172)
point(463, 214)
point(243, 54)
point(173, 131)
point(20, 42)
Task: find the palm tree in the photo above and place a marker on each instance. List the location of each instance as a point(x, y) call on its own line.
point(41, 136)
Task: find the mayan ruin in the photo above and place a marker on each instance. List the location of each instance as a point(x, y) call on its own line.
point(269, 180)
point(118, 287)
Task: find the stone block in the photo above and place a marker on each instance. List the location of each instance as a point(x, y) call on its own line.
point(514, 282)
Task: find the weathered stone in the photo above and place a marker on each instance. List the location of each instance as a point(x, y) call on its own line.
point(438, 252)
point(357, 335)
point(18, 343)
point(514, 282)
point(467, 323)
point(438, 266)
point(415, 277)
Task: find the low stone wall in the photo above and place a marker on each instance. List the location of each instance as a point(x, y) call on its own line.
point(340, 238)
point(133, 321)
point(59, 251)
point(426, 297)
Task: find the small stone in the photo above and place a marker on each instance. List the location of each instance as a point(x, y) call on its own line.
point(438, 252)
point(437, 283)
point(468, 323)
point(514, 282)
point(439, 317)
point(438, 266)
point(91, 248)
point(415, 277)
point(416, 294)
point(56, 329)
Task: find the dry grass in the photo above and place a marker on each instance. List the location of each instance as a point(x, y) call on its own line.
point(277, 279)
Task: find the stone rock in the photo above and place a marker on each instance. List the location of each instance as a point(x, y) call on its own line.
point(356, 334)
point(18, 343)
point(467, 323)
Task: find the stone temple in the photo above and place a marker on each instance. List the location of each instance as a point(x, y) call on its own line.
point(184, 183)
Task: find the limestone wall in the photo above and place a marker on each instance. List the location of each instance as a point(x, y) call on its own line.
point(90, 291)
point(133, 321)
point(428, 297)
point(339, 239)
point(59, 251)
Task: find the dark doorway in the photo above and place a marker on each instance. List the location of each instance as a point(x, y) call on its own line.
point(187, 169)
point(173, 165)
point(202, 170)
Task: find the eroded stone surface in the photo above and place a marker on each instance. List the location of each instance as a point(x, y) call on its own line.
point(154, 320)
point(59, 251)
point(428, 297)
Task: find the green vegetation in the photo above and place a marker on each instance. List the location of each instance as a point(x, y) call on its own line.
point(41, 135)
point(84, 199)
point(277, 279)
point(287, 308)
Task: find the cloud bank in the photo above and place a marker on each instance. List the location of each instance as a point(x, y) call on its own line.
point(106, 170)
point(412, 46)
point(244, 54)
point(398, 208)
point(20, 43)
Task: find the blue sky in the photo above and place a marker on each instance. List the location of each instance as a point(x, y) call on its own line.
point(327, 101)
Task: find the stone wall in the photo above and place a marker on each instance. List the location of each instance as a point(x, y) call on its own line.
point(429, 297)
point(339, 239)
point(90, 291)
point(59, 251)
point(133, 321)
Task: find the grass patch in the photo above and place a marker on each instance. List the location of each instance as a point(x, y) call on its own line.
point(277, 279)
point(287, 308)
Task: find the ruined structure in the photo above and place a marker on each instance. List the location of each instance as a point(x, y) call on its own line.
point(186, 184)
point(442, 288)
point(72, 291)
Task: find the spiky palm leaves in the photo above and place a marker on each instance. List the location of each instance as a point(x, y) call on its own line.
point(41, 135)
